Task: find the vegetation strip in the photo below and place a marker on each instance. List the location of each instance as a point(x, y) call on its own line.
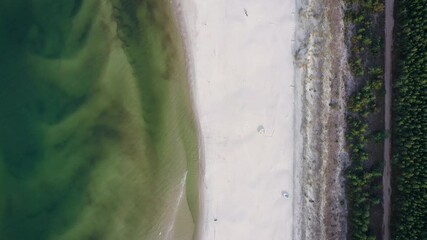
point(363, 176)
point(409, 137)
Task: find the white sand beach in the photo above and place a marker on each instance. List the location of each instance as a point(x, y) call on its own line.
point(240, 56)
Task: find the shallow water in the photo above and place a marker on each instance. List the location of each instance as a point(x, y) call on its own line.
point(96, 127)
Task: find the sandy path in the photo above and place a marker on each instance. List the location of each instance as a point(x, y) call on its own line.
point(389, 23)
point(242, 71)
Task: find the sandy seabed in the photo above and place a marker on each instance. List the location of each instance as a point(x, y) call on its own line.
point(240, 56)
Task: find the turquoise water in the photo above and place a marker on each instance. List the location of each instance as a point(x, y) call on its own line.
point(96, 128)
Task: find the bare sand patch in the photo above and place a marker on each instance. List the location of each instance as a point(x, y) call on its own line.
point(240, 56)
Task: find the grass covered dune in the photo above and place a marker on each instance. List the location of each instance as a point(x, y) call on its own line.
point(97, 138)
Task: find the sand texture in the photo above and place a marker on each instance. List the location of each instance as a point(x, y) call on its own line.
point(240, 57)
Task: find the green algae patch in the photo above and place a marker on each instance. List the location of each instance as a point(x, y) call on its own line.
point(97, 136)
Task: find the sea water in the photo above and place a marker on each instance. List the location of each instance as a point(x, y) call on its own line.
point(97, 137)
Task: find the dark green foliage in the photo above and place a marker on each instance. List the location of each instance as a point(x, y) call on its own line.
point(379, 136)
point(362, 175)
point(409, 199)
point(360, 178)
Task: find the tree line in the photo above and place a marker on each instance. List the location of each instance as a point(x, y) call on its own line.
point(409, 136)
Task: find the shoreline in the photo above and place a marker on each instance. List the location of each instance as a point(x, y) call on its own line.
point(182, 28)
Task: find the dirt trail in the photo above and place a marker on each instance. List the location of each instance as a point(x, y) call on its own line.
point(389, 23)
